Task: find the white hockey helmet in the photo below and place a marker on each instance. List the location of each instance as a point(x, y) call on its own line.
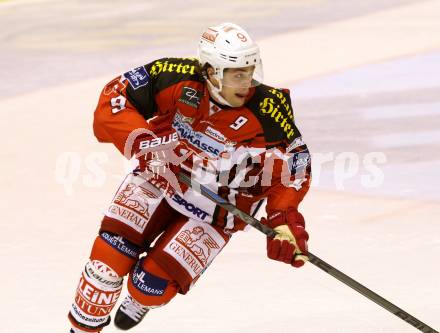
point(227, 45)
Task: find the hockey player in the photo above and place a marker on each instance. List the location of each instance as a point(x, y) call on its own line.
point(221, 125)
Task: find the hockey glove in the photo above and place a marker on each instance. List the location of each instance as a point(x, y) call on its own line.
point(156, 146)
point(158, 151)
point(290, 243)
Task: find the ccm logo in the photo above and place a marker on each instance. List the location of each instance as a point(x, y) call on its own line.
point(163, 140)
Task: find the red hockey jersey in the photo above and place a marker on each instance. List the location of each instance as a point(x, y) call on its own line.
point(245, 153)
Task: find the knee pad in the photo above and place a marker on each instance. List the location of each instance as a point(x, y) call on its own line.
point(150, 285)
point(186, 250)
point(135, 209)
point(116, 251)
point(96, 295)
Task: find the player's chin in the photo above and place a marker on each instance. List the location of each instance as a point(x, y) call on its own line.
point(238, 100)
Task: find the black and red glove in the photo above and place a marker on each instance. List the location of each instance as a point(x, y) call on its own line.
point(290, 243)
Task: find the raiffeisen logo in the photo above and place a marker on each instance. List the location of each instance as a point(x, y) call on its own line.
point(197, 139)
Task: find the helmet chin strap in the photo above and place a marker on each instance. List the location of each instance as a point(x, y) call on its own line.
point(215, 93)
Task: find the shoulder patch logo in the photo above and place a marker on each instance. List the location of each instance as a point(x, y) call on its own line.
point(138, 77)
point(191, 97)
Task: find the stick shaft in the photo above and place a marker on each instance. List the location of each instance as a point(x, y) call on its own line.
point(312, 258)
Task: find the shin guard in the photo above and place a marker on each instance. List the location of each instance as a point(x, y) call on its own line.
point(96, 295)
point(111, 259)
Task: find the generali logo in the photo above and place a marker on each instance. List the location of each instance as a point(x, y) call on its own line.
point(199, 242)
point(194, 247)
point(129, 196)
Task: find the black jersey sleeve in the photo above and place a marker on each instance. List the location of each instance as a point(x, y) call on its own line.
point(273, 108)
point(146, 81)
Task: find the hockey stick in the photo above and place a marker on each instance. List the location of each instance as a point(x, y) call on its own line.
point(312, 258)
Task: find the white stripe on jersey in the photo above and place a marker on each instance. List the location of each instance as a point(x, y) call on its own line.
point(230, 216)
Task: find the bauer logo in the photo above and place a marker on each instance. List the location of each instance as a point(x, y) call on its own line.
point(163, 140)
point(137, 77)
point(148, 283)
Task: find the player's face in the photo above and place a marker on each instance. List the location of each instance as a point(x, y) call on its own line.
point(236, 84)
